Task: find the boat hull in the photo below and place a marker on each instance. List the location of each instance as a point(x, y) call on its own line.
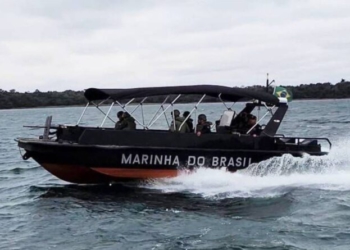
point(75, 173)
point(104, 164)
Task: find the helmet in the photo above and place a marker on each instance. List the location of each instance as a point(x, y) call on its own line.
point(176, 113)
point(202, 117)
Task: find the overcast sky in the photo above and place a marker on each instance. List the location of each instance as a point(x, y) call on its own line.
point(59, 45)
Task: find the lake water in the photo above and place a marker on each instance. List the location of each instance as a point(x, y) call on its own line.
point(283, 203)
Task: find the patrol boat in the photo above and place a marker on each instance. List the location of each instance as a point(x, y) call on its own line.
point(100, 154)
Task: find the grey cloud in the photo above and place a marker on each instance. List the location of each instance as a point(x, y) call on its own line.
point(57, 45)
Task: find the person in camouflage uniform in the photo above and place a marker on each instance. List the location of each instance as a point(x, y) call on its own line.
point(203, 126)
point(128, 122)
point(178, 121)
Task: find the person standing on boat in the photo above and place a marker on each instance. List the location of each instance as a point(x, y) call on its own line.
point(189, 121)
point(128, 122)
point(203, 126)
point(119, 122)
point(177, 120)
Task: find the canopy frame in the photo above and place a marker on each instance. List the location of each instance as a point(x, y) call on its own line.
point(135, 93)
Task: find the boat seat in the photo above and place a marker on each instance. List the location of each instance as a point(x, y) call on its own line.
point(227, 118)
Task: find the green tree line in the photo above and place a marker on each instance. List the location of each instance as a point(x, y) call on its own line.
point(13, 99)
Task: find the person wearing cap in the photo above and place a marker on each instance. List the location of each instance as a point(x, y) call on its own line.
point(120, 119)
point(203, 126)
point(189, 120)
point(178, 122)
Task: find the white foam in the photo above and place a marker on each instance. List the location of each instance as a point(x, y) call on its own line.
point(270, 178)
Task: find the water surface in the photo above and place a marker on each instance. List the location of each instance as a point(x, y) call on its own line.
point(283, 203)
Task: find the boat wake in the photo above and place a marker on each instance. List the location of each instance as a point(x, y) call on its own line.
point(274, 177)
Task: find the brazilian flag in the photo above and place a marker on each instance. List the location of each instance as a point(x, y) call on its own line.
point(283, 92)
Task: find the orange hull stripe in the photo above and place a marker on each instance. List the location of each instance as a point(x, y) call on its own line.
point(136, 173)
point(74, 173)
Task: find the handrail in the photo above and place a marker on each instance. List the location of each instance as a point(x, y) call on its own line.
point(307, 138)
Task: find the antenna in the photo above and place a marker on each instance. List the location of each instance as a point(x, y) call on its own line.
point(268, 84)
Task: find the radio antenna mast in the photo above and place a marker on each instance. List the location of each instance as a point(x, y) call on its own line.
point(268, 84)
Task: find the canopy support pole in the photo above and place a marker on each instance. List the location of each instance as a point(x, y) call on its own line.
point(269, 109)
point(97, 106)
point(143, 117)
point(161, 107)
point(173, 116)
point(126, 104)
point(171, 104)
point(107, 115)
point(82, 114)
point(140, 104)
point(195, 108)
point(123, 108)
point(224, 102)
point(166, 118)
point(103, 101)
point(230, 108)
point(256, 124)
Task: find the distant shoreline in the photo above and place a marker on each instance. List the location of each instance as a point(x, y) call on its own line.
point(107, 105)
point(69, 98)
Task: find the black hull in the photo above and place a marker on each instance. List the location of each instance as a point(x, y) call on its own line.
point(104, 164)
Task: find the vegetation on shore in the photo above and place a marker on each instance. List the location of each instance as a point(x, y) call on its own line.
point(13, 99)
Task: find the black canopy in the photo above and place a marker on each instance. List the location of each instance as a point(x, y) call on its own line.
point(227, 93)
